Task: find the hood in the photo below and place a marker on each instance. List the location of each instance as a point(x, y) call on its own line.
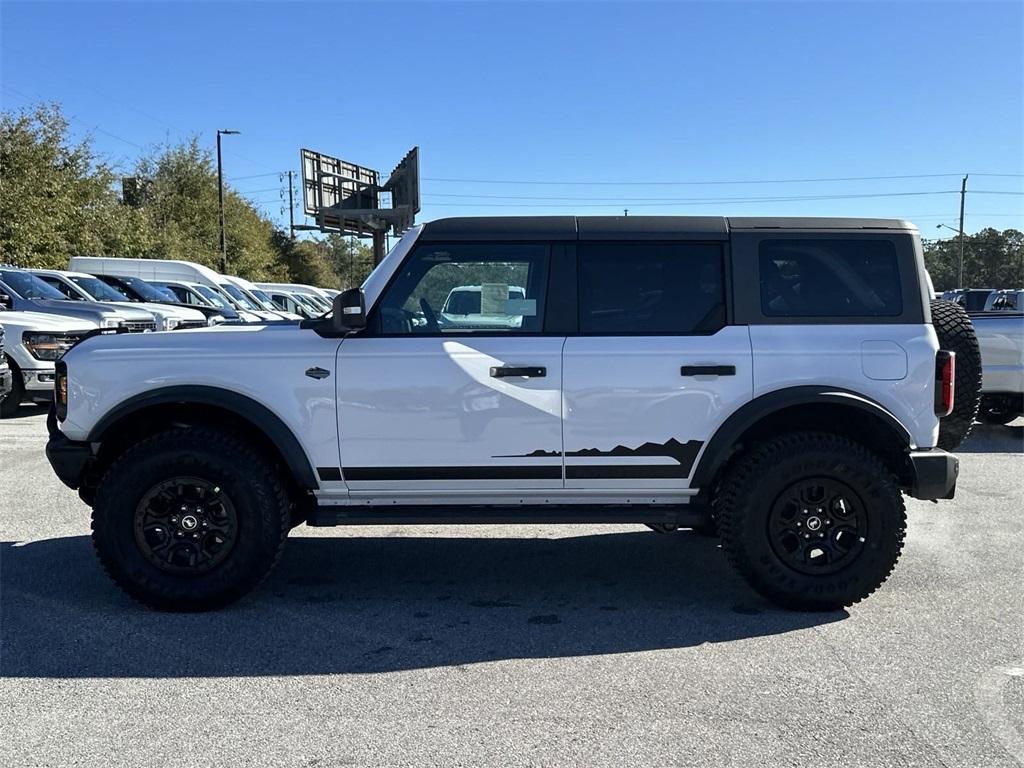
point(92, 310)
point(38, 321)
point(209, 342)
point(166, 310)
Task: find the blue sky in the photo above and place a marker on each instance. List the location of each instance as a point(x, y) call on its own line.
point(561, 92)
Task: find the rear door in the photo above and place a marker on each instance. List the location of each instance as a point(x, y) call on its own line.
point(436, 399)
point(655, 368)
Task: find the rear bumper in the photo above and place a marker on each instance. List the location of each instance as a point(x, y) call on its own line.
point(69, 459)
point(934, 474)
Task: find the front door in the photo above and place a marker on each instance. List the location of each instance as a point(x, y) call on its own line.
point(655, 368)
point(453, 388)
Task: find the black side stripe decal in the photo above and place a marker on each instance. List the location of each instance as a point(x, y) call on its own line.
point(624, 471)
point(684, 454)
point(550, 472)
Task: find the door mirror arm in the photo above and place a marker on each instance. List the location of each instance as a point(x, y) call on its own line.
point(347, 316)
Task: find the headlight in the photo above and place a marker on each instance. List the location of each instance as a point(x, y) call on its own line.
point(46, 346)
point(215, 320)
point(111, 322)
point(170, 323)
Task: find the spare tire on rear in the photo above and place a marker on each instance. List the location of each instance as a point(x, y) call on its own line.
point(956, 334)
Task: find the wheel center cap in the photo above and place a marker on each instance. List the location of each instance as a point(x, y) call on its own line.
point(813, 523)
point(189, 522)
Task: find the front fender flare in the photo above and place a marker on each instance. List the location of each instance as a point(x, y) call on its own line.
point(241, 405)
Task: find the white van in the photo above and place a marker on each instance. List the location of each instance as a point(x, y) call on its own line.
point(172, 269)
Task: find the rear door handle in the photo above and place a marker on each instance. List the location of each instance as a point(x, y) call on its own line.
point(531, 371)
point(708, 370)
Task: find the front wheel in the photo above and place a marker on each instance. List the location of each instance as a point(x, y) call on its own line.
point(9, 405)
point(812, 521)
point(190, 519)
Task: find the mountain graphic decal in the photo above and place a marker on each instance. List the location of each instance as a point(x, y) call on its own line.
point(683, 453)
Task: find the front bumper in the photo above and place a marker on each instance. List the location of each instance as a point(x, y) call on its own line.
point(933, 474)
point(38, 385)
point(70, 459)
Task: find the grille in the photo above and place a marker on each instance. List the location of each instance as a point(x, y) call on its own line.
point(1, 343)
point(140, 326)
point(190, 324)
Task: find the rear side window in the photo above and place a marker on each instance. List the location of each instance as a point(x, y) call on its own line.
point(650, 288)
point(829, 278)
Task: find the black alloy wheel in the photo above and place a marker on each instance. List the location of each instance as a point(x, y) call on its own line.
point(185, 525)
point(817, 526)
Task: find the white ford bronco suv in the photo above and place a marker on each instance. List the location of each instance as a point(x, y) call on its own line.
point(777, 380)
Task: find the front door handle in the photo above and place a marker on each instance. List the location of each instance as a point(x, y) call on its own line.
point(531, 371)
point(708, 370)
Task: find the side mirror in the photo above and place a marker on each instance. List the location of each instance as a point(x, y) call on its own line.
point(349, 310)
point(5, 301)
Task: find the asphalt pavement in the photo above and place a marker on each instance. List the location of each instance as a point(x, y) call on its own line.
point(515, 645)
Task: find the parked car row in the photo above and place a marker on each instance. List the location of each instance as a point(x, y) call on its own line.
point(987, 299)
point(997, 316)
point(45, 312)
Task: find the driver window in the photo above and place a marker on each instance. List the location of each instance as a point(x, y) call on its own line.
point(475, 289)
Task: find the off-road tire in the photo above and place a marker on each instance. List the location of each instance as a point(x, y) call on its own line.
point(956, 333)
point(10, 404)
point(247, 478)
point(759, 477)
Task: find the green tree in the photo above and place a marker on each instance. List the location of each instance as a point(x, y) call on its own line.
point(992, 259)
point(177, 195)
point(57, 199)
point(352, 259)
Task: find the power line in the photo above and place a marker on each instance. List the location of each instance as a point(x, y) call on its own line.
point(692, 199)
point(691, 183)
point(708, 201)
point(254, 176)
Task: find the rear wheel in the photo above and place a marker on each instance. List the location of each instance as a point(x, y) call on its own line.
point(812, 521)
point(998, 410)
point(956, 334)
point(190, 519)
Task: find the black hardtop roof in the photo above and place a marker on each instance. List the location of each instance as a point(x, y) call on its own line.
point(524, 228)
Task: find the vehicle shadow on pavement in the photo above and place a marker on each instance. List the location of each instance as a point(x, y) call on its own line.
point(993, 438)
point(371, 604)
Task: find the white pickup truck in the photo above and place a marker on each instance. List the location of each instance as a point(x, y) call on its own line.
point(31, 345)
point(1001, 337)
point(779, 380)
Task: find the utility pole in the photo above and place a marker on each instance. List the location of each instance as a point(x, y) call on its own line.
point(625, 211)
point(378, 246)
point(220, 203)
point(291, 206)
point(963, 195)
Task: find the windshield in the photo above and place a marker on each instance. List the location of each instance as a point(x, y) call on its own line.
point(211, 296)
point(264, 299)
point(28, 286)
point(145, 290)
point(316, 301)
point(309, 302)
point(237, 295)
point(97, 289)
